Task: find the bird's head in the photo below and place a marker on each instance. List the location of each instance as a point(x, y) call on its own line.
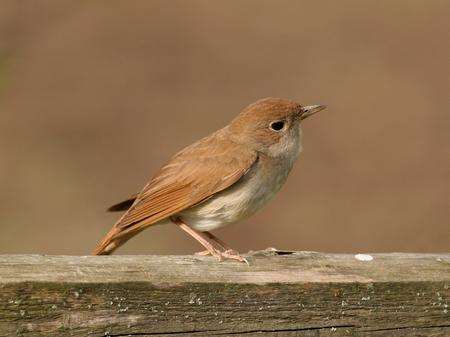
point(271, 125)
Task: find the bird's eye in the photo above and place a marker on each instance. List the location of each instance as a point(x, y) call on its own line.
point(277, 126)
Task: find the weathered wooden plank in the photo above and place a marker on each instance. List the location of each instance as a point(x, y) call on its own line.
point(279, 294)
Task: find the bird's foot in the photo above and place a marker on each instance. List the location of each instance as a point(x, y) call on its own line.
point(207, 252)
point(234, 255)
point(228, 254)
point(214, 252)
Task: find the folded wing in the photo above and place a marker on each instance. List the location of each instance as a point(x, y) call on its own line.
point(192, 176)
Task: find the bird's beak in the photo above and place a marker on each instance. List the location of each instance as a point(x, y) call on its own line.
point(310, 110)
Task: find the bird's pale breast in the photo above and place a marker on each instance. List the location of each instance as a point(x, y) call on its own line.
point(249, 194)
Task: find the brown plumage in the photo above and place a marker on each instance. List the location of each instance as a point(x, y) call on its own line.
point(191, 176)
point(207, 168)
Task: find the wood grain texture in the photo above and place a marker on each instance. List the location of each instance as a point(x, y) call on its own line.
point(279, 294)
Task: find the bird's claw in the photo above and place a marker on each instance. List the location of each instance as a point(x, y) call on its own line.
point(234, 255)
point(228, 254)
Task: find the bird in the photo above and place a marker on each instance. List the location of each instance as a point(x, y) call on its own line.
point(220, 179)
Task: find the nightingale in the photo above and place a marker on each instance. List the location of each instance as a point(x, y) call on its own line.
point(220, 179)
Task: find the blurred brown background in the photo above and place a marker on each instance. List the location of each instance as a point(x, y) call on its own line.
point(96, 95)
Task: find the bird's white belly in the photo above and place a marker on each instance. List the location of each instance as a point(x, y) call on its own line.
point(245, 197)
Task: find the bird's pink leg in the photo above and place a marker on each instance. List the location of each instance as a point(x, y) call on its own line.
point(227, 253)
point(200, 237)
point(221, 244)
point(207, 239)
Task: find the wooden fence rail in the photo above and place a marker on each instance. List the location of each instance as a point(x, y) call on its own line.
point(279, 294)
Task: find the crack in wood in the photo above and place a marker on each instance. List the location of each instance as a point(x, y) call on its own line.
point(270, 331)
point(287, 330)
point(156, 333)
point(214, 332)
point(407, 327)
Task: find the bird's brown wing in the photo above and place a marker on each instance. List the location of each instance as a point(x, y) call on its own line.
point(192, 176)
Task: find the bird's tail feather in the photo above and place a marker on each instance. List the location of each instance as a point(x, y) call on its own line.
point(115, 238)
